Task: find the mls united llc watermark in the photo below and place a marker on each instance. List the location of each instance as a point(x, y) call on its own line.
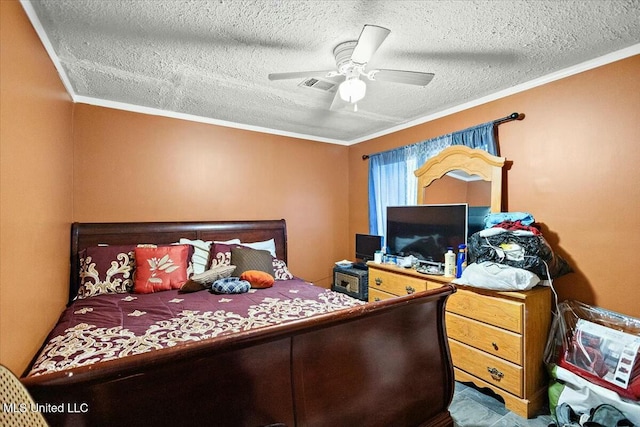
point(45, 408)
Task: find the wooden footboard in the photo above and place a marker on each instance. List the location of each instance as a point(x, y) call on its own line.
point(380, 364)
point(388, 366)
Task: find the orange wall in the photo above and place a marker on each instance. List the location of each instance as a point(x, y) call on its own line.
point(36, 190)
point(575, 168)
point(136, 167)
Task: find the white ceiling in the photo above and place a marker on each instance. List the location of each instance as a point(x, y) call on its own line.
point(209, 60)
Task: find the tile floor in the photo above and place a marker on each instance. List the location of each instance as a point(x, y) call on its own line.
point(471, 407)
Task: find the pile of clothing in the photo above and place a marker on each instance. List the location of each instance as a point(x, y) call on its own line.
point(510, 254)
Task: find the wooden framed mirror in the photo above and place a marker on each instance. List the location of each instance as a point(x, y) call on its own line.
point(459, 174)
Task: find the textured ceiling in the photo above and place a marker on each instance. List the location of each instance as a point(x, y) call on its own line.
point(210, 59)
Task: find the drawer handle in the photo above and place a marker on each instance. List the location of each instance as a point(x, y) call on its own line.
point(378, 281)
point(410, 290)
point(495, 346)
point(376, 299)
point(495, 374)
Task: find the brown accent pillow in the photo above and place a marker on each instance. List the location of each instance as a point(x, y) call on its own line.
point(202, 281)
point(258, 279)
point(191, 286)
point(246, 259)
point(213, 274)
point(221, 255)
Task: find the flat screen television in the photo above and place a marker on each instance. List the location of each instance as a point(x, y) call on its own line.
point(425, 231)
point(366, 246)
point(477, 215)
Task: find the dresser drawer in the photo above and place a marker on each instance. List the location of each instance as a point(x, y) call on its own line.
point(495, 371)
point(396, 284)
point(499, 342)
point(376, 295)
point(435, 285)
point(499, 312)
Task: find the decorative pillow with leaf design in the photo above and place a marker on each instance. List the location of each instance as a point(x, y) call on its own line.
point(160, 269)
point(106, 270)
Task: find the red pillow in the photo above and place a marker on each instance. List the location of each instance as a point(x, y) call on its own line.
point(160, 269)
point(258, 279)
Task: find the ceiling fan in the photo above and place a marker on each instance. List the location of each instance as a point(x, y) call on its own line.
point(351, 60)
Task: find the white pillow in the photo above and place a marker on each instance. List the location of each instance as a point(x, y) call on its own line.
point(200, 256)
point(498, 277)
point(228, 242)
point(266, 245)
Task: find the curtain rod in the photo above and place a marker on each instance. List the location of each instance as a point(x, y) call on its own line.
point(510, 117)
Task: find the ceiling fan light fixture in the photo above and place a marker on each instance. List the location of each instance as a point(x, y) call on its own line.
point(352, 90)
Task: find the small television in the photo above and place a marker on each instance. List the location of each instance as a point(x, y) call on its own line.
point(425, 231)
point(366, 246)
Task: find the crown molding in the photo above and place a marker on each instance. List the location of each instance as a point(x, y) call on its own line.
point(558, 75)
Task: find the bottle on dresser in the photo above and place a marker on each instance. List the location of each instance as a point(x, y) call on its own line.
point(449, 263)
point(461, 261)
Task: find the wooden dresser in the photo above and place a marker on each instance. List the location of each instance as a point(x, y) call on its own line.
point(496, 339)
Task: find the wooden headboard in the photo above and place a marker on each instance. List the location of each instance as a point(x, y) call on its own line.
point(84, 235)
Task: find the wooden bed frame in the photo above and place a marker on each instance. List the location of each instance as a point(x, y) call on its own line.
point(380, 364)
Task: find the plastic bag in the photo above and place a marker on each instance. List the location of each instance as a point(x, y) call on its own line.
point(599, 345)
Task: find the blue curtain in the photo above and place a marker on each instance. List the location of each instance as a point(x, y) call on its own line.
point(481, 137)
point(391, 178)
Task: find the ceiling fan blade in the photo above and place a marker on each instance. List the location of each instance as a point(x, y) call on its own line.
point(369, 41)
point(299, 74)
point(399, 76)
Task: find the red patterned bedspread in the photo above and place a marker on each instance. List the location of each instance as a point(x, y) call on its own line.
point(111, 326)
